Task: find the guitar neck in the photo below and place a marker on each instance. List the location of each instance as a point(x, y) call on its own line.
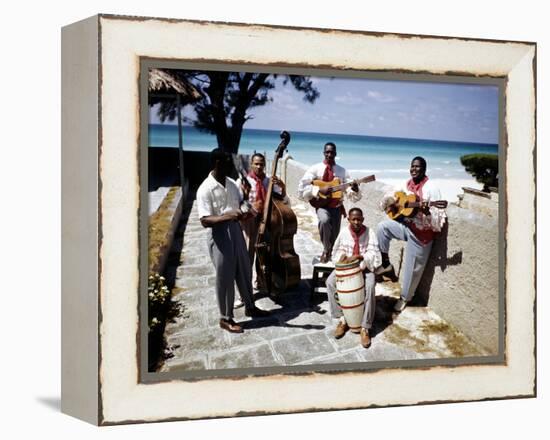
point(419, 204)
point(358, 181)
point(341, 186)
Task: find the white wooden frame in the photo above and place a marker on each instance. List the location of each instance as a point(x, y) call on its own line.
point(101, 196)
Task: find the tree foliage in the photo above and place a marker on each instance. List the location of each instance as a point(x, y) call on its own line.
point(484, 167)
point(228, 98)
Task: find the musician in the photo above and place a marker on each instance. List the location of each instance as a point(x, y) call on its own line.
point(330, 216)
point(356, 242)
point(218, 203)
point(418, 231)
point(256, 191)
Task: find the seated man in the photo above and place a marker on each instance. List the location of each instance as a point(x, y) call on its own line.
point(418, 231)
point(356, 242)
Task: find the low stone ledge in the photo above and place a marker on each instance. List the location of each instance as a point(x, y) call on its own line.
point(479, 201)
point(162, 227)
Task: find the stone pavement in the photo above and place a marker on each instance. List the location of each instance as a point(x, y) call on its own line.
point(300, 329)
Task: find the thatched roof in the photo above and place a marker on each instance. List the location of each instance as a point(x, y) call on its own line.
point(162, 81)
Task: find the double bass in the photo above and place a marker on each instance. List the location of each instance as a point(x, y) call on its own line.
point(279, 263)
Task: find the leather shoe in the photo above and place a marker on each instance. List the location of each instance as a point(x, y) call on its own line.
point(365, 338)
point(384, 269)
point(400, 305)
point(230, 325)
point(341, 330)
point(255, 312)
point(258, 285)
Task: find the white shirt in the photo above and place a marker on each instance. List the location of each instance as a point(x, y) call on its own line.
point(215, 199)
point(368, 248)
point(307, 191)
point(430, 192)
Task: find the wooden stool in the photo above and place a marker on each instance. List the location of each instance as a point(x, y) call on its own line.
point(321, 271)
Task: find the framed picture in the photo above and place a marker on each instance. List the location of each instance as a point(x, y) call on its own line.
point(165, 299)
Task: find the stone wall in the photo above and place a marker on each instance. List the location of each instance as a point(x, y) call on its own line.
point(163, 167)
point(479, 201)
point(167, 225)
point(460, 281)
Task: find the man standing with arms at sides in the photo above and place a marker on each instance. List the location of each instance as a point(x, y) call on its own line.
point(356, 242)
point(218, 203)
point(329, 216)
point(258, 183)
point(418, 231)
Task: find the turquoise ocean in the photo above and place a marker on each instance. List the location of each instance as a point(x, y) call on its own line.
point(387, 158)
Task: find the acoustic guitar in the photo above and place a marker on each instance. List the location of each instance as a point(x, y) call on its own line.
point(336, 190)
point(406, 205)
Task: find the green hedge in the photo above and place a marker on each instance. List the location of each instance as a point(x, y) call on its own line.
point(484, 167)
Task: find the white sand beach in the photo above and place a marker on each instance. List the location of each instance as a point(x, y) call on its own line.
point(450, 188)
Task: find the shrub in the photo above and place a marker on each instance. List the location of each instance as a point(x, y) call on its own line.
point(158, 294)
point(484, 167)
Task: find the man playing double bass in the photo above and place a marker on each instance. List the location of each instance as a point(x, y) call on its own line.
point(258, 182)
point(330, 215)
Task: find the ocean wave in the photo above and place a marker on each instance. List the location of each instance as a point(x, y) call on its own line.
point(404, 170)
point(366, 171)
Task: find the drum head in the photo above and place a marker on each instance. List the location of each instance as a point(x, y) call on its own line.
point(344, 266)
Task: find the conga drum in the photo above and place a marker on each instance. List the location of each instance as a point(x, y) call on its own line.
point(350, 288)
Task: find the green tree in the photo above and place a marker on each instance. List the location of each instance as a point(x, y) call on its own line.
point(227, 98)
point(484, 167)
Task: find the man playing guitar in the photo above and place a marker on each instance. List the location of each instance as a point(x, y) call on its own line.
point(330, 215)
point(418, 230)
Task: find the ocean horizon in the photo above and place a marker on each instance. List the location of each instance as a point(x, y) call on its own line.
point(386, 157)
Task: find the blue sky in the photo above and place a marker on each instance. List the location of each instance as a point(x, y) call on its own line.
point(422, 110)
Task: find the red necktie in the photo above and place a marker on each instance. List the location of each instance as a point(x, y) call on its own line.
point(356, 238)
point(260, 190)
point(328, 175)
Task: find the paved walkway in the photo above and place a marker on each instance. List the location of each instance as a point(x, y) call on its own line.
point(300, 329)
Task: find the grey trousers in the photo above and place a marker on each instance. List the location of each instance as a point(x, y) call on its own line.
point(329, 226)
point(416, 254)
point(230, 258)
point(250, 232)
point(370, 299)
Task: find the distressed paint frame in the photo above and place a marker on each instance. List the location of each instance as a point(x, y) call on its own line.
point(113, 383)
